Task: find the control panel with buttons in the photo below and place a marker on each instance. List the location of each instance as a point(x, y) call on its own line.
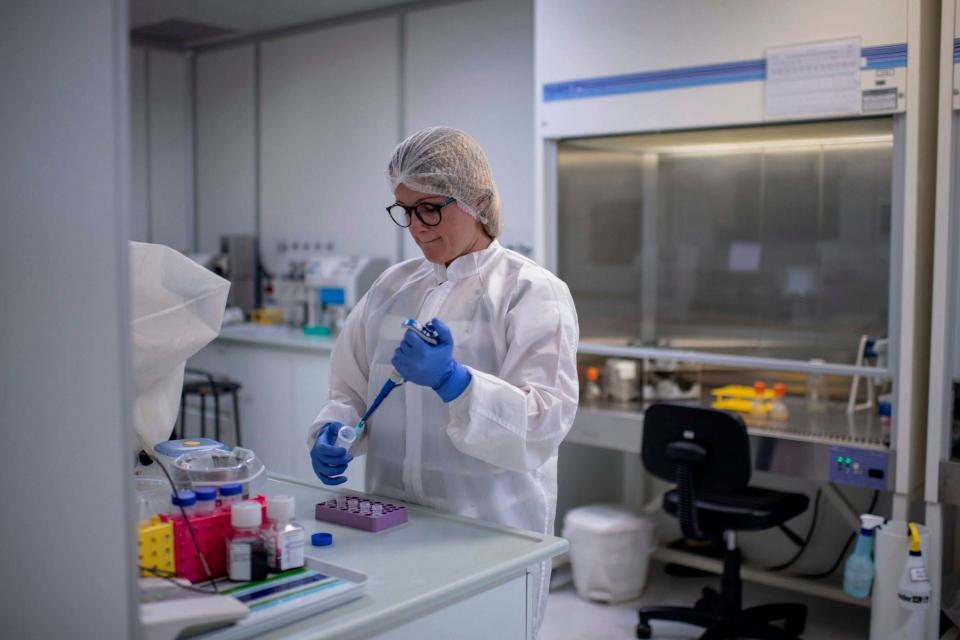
point(859, 467)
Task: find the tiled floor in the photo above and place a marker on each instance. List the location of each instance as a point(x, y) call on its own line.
point(569, 617)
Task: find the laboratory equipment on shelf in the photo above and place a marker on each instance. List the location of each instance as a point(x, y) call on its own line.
point(666, 379)
point(621, 379)
point(759, 407)
point(334, 285)
point(870, 352)
point(754, 400)
point(817, 393)
point(347, 434)
point(284, 538)
point(778, 408)
point(592, 390)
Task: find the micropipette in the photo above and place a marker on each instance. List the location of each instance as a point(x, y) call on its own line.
point(347, 434)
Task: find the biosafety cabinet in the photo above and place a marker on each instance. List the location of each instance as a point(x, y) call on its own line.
point(744, 190)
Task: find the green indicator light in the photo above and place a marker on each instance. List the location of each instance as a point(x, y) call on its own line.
point(840, 459)
point(849, 460)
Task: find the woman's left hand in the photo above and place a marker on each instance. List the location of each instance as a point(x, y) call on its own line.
point(432, 365)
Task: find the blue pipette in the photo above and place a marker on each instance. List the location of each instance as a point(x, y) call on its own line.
point(348, 435)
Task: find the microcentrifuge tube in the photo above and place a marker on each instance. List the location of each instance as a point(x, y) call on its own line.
point(377, 509)
point(354, 503)
point(365, 506)
point(342, 502)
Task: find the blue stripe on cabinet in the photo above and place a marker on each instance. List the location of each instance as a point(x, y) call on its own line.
point(881, 57)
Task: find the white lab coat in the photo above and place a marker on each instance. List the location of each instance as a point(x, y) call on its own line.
point(492, 452)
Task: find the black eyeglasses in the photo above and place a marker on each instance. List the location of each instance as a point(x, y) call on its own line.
point(427, 212)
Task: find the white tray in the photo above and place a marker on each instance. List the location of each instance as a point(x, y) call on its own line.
point(263, 620)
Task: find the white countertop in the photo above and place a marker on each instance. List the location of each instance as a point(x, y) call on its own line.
point(433, 560)
point(275, 336)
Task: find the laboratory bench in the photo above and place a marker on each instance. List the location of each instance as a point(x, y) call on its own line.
point(285, 378)
point(436, 576)
point(281, 336)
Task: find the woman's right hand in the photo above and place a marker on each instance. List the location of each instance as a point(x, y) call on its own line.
point(329, 461)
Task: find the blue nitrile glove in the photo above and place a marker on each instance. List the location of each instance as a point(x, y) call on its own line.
point(329, 461)
point(432, 365)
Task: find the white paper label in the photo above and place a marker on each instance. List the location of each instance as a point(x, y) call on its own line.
point(292, 545)
point(814, 79)
point(918, 574)
point(239, 560)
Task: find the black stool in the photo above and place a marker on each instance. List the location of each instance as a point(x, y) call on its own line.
point(206, 386)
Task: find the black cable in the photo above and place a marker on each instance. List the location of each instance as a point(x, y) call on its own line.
point(843, 552)
point(806, 540)
point(193, 535)
point(169, 577)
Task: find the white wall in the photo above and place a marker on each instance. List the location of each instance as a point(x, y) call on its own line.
point(329, 120)
point(161, 141)
point(170, 123)
point(226, 146)
point(470, 66)
point(139, 204)
point(65, 493)
point(334, 101)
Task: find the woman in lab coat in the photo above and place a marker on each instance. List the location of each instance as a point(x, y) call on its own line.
point(476, 429)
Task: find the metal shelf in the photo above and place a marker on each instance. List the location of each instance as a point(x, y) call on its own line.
point(830, 590)
point(729, 360)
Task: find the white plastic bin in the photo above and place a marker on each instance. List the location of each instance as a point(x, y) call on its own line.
point(610, 549)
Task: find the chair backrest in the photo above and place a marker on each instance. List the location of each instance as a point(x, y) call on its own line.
point(722, 436)
point(696, 448)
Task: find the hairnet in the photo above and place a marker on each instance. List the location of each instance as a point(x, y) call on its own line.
point(448, 162)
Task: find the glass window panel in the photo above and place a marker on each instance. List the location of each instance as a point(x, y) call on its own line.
point(770, 241)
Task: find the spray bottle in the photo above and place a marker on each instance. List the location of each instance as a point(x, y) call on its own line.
point(913, 592)
point(859, 570)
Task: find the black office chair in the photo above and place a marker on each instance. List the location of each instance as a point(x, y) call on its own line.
point(707, 453)
point(203, 385)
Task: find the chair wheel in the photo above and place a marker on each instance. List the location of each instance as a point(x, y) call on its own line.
point(643, 631)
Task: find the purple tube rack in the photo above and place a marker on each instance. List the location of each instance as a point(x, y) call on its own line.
point(393, 514)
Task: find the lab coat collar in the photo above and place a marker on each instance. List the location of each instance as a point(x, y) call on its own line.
point(468, 265)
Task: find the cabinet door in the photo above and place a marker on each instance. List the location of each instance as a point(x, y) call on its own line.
point(470, 66)
point(226, 151)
